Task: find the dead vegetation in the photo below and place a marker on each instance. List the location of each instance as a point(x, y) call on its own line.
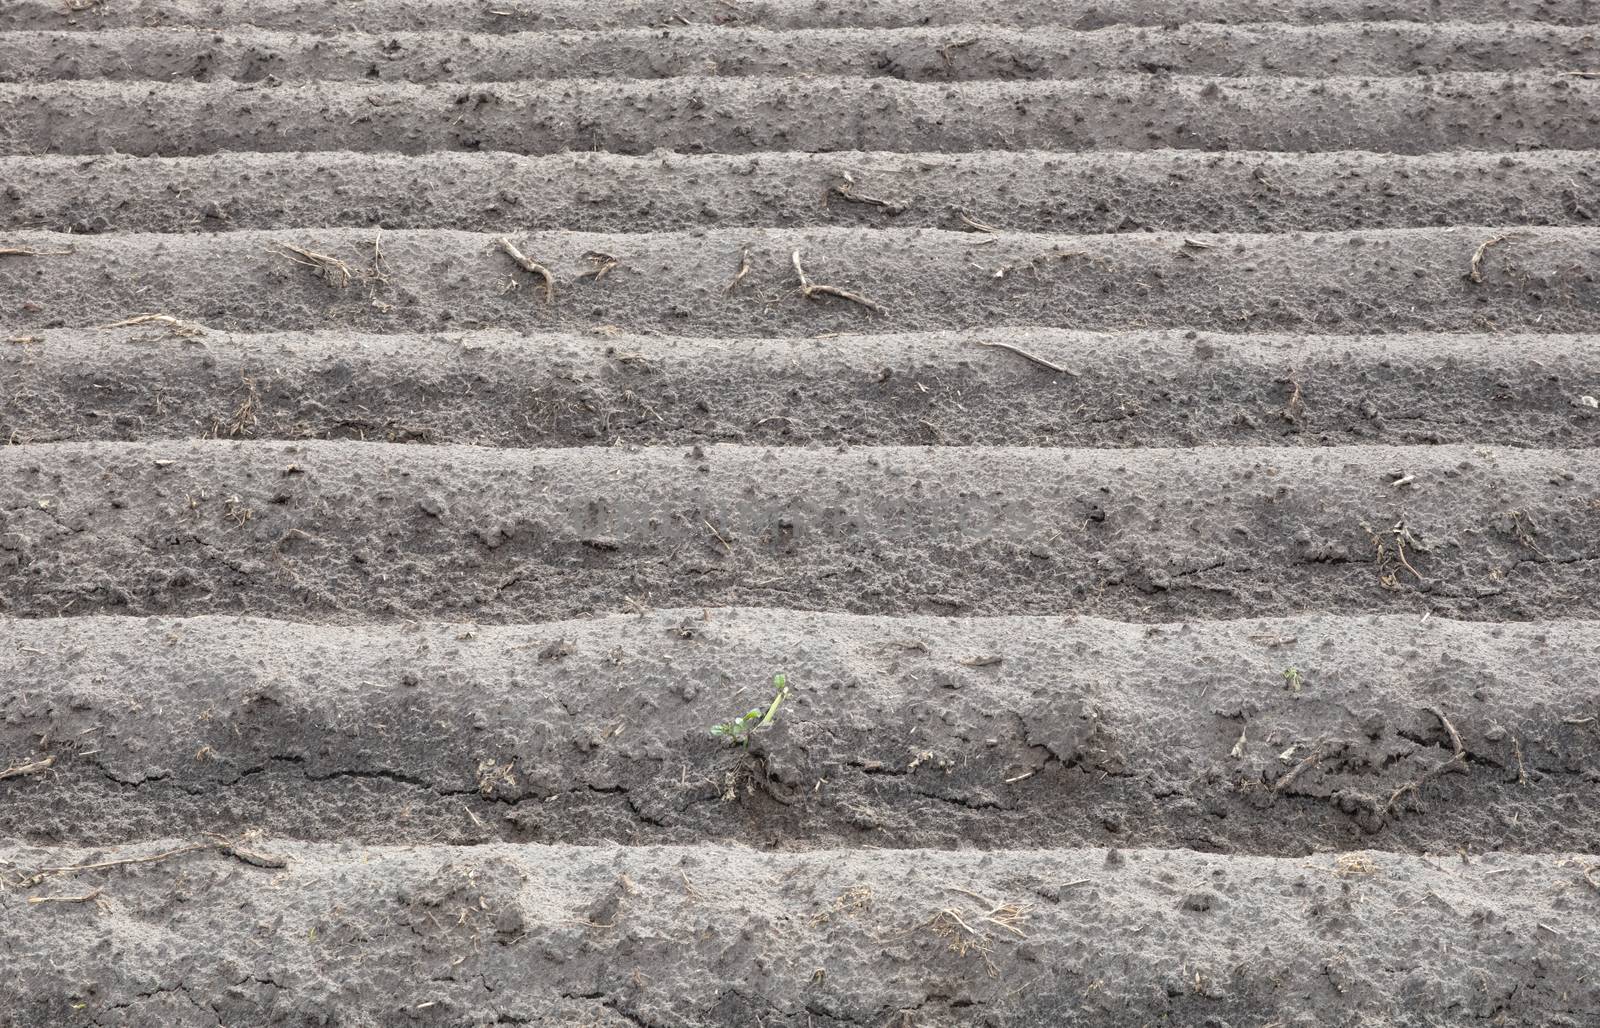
point(811, 290)
point(29, 767)
point(174, 327)
point(968, 929)
point(1456, 763)
point(531, 266)
point(1035, 358)
point(330, 269)
point(239, 848)
point(738, 276)
point(847, 190)
point(23, 251)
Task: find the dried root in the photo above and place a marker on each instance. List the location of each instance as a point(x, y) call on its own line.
point(811, 290)
point(1476, 274)
point(1035, 358)
point(531, 266)
point(22, 251)
point(31, 767)
point(976, 929)
point(174, 326)
point(603, 263)
point(332, 269)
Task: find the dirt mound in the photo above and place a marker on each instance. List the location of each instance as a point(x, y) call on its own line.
point(1159, 190)
point(691, 513)
point(553, 935)
point(1124, 389)
point(1410, 115)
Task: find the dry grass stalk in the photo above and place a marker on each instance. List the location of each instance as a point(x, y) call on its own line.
point(1035, 358)
point(977, 929)
point(811, 290)
point(847, 191)
point(332, 269)
point(227, 847)
point(174, 326)
point(603, 264)
point(31, 767)
point(738, 276)
point(22, 251)
point(1476, 274)
point(531, 266)
point(974, 224)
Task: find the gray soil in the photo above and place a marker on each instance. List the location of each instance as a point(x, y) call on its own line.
point(1158, 190)
point(1412, 114)
point(1527, 280)
point(155, 382)
point(546, 15)
point(912, 731)
point(346, 531)
point(1156, 443)
point(646, 935)
point(955, 54)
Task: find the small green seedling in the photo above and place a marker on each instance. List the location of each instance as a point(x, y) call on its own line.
point(1294, 678)
point(739, 728)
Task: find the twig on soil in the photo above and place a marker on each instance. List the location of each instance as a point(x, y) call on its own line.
point(944, 51)
point(1030, 356)
point(1477, 257)
point(228, 847)
point(91, 895)
point(1295, 772)
point(1455, 736)
point(603, 264)
point(1457, 761)
point(531, 266)
point(22, 251)
point(974, 224)
point(255, 858)
point(811, 290)
point(738, 276)
point(1585, 74)
point(332, 269)
point(713, 530)
point(175, 326)
point(847, 190)
point(46, 872)
point(32, 767)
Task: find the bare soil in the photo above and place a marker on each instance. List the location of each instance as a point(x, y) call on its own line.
point(1410, 114)
point(1156, 444)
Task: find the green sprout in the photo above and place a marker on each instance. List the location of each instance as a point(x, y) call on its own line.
point(1294, 678)
point(739, 728)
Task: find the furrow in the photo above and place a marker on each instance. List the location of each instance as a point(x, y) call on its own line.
point(164, 381)
point(548, 935)
point(952, 53)
point(524, 15)
point(1411, 115)
point(345, 531)
point(1281, 736)
point(1461, 279)
point(1031, 191)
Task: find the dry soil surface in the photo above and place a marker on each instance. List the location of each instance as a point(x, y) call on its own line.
point(1156, 443)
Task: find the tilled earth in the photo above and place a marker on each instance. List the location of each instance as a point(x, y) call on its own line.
point(1156, 443)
